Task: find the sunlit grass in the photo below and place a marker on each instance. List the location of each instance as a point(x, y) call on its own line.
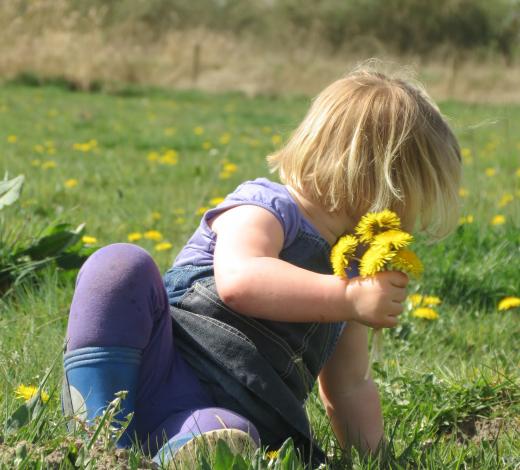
point(142, 167)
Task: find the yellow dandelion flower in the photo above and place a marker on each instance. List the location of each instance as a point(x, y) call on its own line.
point(465, 152)
point(163, 246)
point(134, 236)
point(498, 220)
point(463, 192)
point(375, 222)
point(272, 454)
point(39, 148)
point(230, 167)
point(431, 300)
point(201, 210)
point(206, 145)
point(216, 201)
point(169, 131)
point(509, 302)
point(36, 162)
point(85, 146)
point(276, 139)
point(505, 200)
point(88, 240)
point(225, 138)
point(224, 175)
point(71, 183)
point(156, 215)
point(340, 253)
point(490, 172)
point(426, 313)
point(415, 299)
point(466, 220)
point(517, 172)
point(375, 259)
point(407, 260)
point(12, 139)
point(199, 130)
point(154, 235)
point(49, 164)
point(170, 157)
point(395, 239)
point(152, 156)
point(26, 392)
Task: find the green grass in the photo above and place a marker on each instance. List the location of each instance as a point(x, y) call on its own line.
point(450, 388)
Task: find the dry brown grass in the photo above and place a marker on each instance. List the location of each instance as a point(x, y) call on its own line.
point(49, 41)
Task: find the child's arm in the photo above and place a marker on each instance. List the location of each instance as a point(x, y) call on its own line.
point(351, 401)
point(253, 281)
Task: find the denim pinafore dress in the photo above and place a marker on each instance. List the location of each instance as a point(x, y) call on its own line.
point(261, 369)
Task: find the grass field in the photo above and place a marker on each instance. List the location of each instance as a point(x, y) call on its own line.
point(146, 162)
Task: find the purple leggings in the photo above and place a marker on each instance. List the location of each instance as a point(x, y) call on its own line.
point(120, 301)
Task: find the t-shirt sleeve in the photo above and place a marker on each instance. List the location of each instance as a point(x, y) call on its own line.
point(272, 197)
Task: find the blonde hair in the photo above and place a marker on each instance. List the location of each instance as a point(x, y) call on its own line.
point(371, 142)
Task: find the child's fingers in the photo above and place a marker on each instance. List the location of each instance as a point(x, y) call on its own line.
point(395, 309)
point(398, 278)
point(399, 295)
point(391, 321)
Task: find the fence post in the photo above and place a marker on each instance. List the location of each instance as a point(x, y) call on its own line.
point(195, 69)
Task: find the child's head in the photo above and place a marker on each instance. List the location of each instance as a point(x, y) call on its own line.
point(371, 142)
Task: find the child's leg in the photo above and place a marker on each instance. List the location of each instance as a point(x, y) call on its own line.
point(120, 337)
point(206, 425)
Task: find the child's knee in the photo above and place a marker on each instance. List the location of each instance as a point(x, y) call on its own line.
point(119, 295)
point(221, 418)
point(120, 263)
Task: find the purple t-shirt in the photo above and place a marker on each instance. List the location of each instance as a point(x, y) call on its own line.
point(261, 192)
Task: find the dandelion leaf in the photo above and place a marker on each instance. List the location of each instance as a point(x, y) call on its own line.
point(10, 190)
point(55, 243)
point(223, 456)
point(23, 414)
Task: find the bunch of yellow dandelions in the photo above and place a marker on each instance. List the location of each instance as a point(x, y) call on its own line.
point(384, 245)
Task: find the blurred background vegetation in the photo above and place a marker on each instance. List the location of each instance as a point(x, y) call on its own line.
point(464, 48)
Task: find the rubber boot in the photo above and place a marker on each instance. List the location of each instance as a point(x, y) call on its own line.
point(93, 376)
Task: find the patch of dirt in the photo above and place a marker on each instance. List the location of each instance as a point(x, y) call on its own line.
point(479, 429)
point(71, 452)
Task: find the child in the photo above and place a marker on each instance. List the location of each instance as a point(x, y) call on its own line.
point(250, 315)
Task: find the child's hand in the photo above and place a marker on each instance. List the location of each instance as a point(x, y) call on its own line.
point(377, 300)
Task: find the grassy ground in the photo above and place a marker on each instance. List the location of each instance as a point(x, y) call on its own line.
point(151, 160)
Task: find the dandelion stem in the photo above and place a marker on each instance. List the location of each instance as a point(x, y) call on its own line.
point(376, 350)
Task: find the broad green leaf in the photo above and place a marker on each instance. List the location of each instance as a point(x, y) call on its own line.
point(239, 463)
point(223, 457)
point(73, 260)
point(10, 190)
point(23, 414)
point(53, 244)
